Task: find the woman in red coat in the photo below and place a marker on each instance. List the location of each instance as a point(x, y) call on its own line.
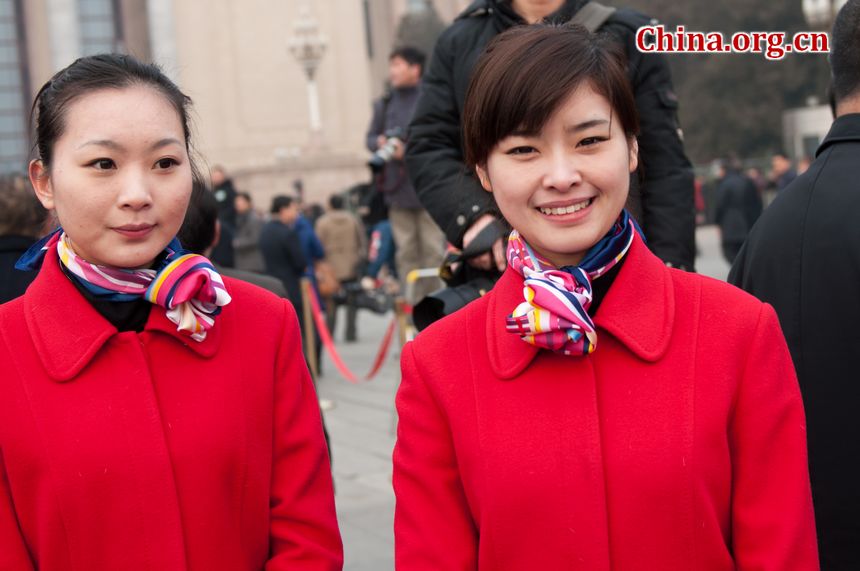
point(153, 416)
point(596, 410)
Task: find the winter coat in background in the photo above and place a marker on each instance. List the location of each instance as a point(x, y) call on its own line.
point(803, 257)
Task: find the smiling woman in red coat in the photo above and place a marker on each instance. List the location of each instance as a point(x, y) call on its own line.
point(596, 410)
point(153, 416)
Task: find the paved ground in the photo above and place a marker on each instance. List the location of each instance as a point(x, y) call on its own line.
point(361, 426)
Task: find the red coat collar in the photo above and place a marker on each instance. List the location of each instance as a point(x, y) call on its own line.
point(68, 332)
point(638, 311)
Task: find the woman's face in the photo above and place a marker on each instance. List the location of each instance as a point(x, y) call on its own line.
point(564, 187)
point(121, 176)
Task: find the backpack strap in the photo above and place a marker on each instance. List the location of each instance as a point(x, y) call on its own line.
point(592, 15)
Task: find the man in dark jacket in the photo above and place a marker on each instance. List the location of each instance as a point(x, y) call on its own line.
point(282, 249)
point(803, 257)
point(434, 157)
point(738, 207)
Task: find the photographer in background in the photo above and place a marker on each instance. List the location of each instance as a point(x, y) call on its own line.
point(419, 241)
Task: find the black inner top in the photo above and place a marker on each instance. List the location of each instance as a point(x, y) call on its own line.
point(124, 315)
point(600, 286)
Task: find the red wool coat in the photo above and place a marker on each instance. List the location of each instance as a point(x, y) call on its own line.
point(679, 444)
point(150, 451)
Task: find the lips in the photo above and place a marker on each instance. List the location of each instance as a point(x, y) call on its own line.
point(561, 209)
point(134, 230)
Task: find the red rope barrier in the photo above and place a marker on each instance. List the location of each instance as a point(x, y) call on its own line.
point(325, 336)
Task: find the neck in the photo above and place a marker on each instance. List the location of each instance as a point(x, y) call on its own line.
point(533, 11)
point(848, 105)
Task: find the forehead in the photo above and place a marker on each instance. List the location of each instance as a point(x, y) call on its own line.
point(131, 112)
point(581, 104)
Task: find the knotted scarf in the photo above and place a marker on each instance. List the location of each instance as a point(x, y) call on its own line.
point(554, 314)
point(185, 284)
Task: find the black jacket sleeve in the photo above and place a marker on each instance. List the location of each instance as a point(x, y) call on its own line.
point(434, 157)
point(667, 192)
point(377, 126)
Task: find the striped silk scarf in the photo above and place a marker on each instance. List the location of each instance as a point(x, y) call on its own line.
point(554, 314)
point(185, 284)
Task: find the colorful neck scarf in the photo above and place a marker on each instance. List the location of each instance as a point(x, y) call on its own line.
point(554, 314)
point(185, 284)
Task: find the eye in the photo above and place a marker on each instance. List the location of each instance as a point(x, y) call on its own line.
point(103, 164)
point(166, 163)
point(591, 141)
point(521, 150)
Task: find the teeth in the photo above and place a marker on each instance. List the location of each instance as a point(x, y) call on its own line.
point(567, 210)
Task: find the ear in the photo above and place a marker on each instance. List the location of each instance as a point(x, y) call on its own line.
point(633, 147)
point(41, 182)
point(484, 177)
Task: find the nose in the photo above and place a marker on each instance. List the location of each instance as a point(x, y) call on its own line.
point(562, 172)
point(135, 193)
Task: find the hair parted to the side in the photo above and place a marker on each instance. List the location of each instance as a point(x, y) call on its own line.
point(95, 73)
point(528, 71)
point(845, 52)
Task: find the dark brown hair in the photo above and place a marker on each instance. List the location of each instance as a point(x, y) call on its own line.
point(528, 71)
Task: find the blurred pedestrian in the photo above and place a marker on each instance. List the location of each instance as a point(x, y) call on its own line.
point(782, 172)
point(223, 253)
point(595, 409)
point(803, 257)
point(345, 244)
point(246, 238)
point(155, 415)
point(418, 240)
point(282, 251)
point(22, 221)
point(738, 207)
point(225, 193)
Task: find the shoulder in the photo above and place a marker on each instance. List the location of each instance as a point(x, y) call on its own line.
point(628, 21)
point(250, 298)
point(264, 281)
point(720, 305)
point(465, 30)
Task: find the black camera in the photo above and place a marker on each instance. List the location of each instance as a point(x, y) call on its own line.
point(384, 153)
point(465, 283)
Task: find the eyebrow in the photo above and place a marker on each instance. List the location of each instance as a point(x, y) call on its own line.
point(117, 147)
point(570, 130)
point(585, 125)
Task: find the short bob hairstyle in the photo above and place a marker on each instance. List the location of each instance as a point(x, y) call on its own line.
point(528, 71)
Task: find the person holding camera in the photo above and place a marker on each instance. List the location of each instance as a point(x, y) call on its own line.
point(596, 409)
point(419, 241)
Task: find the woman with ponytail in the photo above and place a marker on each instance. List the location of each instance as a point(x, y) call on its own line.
point(596, 410)
point(153, 415)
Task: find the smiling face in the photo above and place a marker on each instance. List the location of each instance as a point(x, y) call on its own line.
point(563, 187)
point(120, 177)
